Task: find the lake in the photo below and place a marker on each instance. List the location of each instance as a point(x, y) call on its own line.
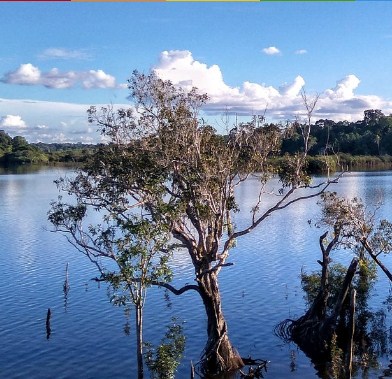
point(88, 336)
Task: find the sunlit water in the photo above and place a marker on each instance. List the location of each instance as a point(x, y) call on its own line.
point(87, 337)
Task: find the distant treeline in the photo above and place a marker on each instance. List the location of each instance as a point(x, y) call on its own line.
point(370, 136)
point(364, 144)
point(17, 151)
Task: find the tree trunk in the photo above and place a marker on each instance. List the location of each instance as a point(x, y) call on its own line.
point(139, 339)
point(351, 329)
point(219, 355)
point(312, 333)
point(375, 258)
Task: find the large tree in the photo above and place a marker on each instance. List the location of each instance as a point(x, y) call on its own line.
point(161, 159)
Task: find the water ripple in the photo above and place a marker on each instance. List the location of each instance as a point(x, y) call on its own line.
point(87, 338)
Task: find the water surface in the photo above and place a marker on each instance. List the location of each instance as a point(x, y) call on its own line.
point(87, 337)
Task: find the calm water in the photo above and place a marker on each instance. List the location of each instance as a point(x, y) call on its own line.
point(87, 337)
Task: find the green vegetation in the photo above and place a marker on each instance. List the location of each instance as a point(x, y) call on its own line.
point(66, 152)
point(17, 151)
point(339, 331)
point(360, 145)
point(370, 136)
point(165, 165)
point(163, 360)
point(167, 180)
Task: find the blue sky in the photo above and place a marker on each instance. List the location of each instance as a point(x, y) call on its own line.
point(57, 59)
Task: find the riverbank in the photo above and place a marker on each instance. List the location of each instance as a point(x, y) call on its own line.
point(319, 164)
point(348, 162)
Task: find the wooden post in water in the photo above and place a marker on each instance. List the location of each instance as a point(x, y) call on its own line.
point(66, 287)
point(48, 329)
point(66, 284)
point(351, 326)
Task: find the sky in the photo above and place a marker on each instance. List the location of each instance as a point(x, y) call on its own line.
point(57, 59)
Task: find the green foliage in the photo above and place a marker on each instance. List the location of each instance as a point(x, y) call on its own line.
point(357, 227)
point(71, 215)
point(322, 164)
point(363, 282)
point(353, 227)
point(163, 360)
point(292, 171)
point(337, 359)
point(372, 136)
point(347, 218)
point(310, 284)
point(382, 238)
point(5, 143)
point(25, 155)
point(17, 151)
point(19, 143)
point(166, 176)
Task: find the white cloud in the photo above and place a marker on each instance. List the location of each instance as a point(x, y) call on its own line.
point(55, 121)
point(338, 103)
point(293, 89)
point(182, 69)
point(12, 122)
point(49, 121)
point(59, 80)
point(272, 50)
point(27, 74)
point(97, 79)
point(62, 53)
point(300, 52)
point(344, 88)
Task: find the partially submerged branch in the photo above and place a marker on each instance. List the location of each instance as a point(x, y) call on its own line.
point(172, 289)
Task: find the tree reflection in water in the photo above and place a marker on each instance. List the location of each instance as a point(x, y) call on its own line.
point(327, 344)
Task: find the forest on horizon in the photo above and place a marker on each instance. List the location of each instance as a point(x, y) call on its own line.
point(366, 143)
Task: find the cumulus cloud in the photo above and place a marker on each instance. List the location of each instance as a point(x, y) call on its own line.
point(62, 53)
point(27, 74)
point(49, 121)
point(67, 122)
point(12, 122)
point(272, 50)
point(344, 88)
point(293, 89)
point(97, 79)
point(342, 103)
point(300, 52)
point(182, 69)
point(337, 103)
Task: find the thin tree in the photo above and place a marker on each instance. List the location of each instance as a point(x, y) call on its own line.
point(360, 229)
point(131, 253)
point(161, 160)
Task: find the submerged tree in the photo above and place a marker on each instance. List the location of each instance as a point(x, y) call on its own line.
point(360, 228)
point(162, 160)
point(333, 329)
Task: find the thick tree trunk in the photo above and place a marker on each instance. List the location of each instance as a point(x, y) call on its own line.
point(220, 356)
point(139, 340)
